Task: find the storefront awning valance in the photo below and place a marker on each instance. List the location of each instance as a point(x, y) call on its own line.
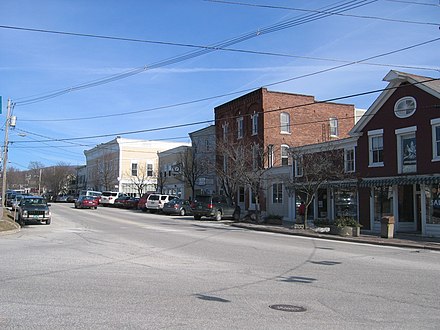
point(400, 180)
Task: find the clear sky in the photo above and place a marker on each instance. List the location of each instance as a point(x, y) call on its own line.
point(286, 46)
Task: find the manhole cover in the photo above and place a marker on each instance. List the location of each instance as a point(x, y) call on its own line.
point(288, 308)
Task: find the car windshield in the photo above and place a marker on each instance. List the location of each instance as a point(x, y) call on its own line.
point(88, 198)
point(33, 201)
point(154, 197)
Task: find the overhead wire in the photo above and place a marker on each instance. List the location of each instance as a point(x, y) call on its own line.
point(347, 5)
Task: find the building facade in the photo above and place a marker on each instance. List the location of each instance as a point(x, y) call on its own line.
point(124, 165)
point(262, 125)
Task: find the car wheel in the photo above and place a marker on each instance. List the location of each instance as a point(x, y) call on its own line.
point(197, 217)
point(48, 222)
point(236, 215)
point(182, 212)
point(95, 207)
point(218, 215)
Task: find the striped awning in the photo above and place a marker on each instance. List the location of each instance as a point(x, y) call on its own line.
point(400, 180)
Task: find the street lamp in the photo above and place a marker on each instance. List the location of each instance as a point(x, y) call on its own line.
point(10, 122)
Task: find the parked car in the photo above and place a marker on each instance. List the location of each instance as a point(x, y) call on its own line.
point(126, 202)
point(177, 207)
point(142, 205)
point(33, 208)
point(155, 202)
point(109, 197)
point(16, 201)
point(214, 206)
point(86, 202)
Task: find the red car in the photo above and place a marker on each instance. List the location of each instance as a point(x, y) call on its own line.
point(86, 202)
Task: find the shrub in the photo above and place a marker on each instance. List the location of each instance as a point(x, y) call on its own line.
point(321, 222)
point(346, 222)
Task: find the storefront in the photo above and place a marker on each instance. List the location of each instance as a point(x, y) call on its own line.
point(414, 201)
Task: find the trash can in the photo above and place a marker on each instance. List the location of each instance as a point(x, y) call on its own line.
point(387, 227)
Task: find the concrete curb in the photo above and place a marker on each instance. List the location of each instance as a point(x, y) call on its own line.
point(364, 239)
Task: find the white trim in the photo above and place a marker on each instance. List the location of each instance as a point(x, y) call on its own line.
point(406, 130)
point(371, 135)
point(375, 132)
point(435, 153)
point(398, 113)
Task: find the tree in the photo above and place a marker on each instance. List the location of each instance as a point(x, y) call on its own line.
point(142, 180)
point(35, 172)
point(313, 170)
point(56, 178)
point(192, 168)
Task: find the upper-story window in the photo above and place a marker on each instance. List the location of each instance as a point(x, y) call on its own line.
point(298, 166)
point(285, 122)
point(255, 156)
point(406, 149)
point(254, 118)
point(149, 169)
point(349, 161)
point(207, 145)
point(270, 155)
point(435, 123)
point(225, 127)
point(375, 143)
point(134, 169)
point(334, 129)
point(240, 128)
point(405, 107)
point(284, 155)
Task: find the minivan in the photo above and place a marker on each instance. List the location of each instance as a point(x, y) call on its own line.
point(108, 197)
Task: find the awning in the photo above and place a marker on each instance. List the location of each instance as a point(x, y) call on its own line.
point(400, 180)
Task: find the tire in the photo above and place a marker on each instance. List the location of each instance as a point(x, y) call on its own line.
point(182, 212)
point(236, 215)
point(197, 217)
point(218, 215)
point(48, 222)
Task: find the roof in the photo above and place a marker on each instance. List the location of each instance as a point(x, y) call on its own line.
point(396, 78)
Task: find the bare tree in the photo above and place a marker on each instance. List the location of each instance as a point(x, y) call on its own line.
point(192, 168)
point(16, 178)
point(35, 172)
point(313, 171)
point(56, 178)
point(142, 180)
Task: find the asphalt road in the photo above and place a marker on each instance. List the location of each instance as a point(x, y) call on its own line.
point(122, 269)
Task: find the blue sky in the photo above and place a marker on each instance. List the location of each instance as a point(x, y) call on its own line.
point(37, 64)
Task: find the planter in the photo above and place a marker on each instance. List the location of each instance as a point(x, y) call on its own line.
point(345, 231)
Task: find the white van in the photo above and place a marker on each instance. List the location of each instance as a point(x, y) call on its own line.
point(90, 193)
point(108, 197)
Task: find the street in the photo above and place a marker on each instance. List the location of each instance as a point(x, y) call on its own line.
point(112, 269)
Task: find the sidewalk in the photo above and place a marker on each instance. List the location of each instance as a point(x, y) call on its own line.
point(399, 240)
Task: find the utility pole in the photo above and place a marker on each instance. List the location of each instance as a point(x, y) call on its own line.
point(11, 123)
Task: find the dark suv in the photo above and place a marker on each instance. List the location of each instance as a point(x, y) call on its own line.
point(214, 206)
point(33, 208)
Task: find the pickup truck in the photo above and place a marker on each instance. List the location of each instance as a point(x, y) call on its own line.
point(33, 208)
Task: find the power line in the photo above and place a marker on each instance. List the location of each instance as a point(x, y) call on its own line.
point(324, 12)
point(241, 91)
point(210, 121)
point(338, 8)
point(415, 3)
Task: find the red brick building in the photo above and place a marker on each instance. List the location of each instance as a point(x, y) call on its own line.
point(266, 124)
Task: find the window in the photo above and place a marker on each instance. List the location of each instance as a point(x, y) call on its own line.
point(284, 155)
point(255, 157)
point(241, 194)
point(435, 139)
point(149, 169)
point(270, 155)
point(383, 202)
point(134, 169)
point(254, 118)
point(406, 149)
point(349, 160)
point(333, 123)
point(239, 128)
point(299, 169)
point(405, 107)
point(225, 131)
point(277, 193)
point(207, 146)
point(375, 141)
point(285, 122)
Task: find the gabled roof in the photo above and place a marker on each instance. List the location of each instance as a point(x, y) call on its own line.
point(396, 78)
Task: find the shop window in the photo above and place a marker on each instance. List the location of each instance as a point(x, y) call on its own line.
point(432, 194)
point(383, 202)
point(406, 150)
point(345, 203)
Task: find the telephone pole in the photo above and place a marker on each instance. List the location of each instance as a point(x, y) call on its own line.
point(11, 123)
